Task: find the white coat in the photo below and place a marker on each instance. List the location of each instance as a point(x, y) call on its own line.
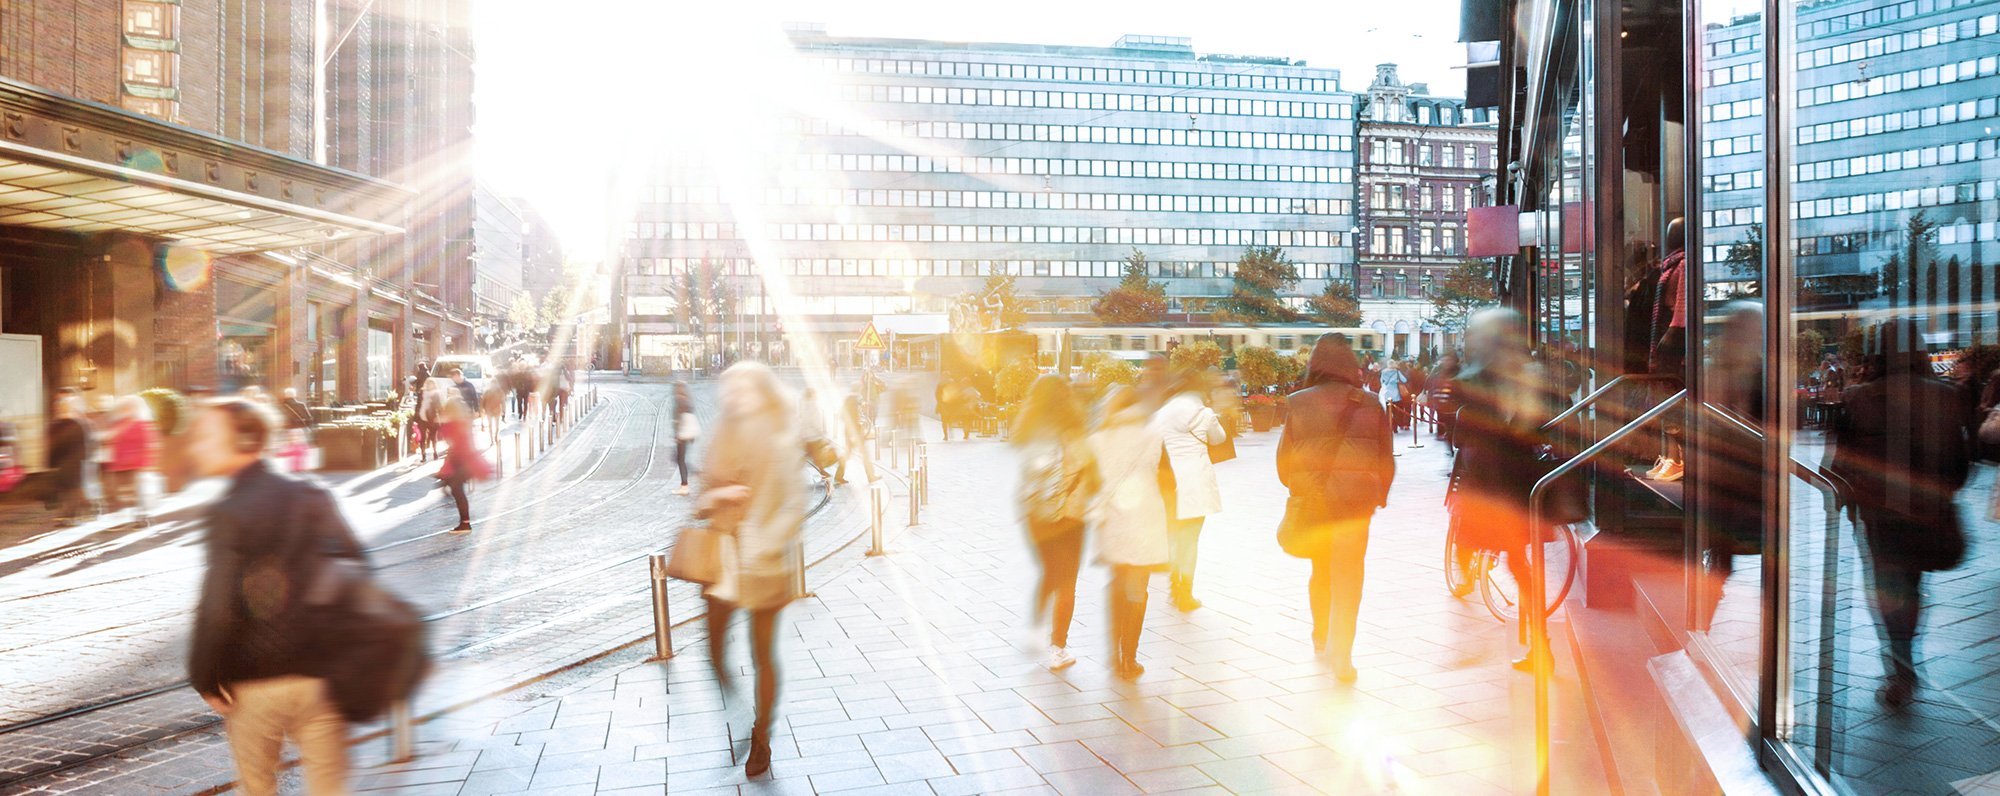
point(1130, 515)
point(758, 452)
point(1188, 428)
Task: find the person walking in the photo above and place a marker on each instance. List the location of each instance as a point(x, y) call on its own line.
point(818, 450)
point(1335, 457)
point(463, 463)
point(468, 393)
point(1057, 481)
point(134, 447)
point(1904, 443)
point(1187, 426)
point(853, 441)
point(1131, 518)
point(72, 442)
point(686, 430)
point(751, 490)
point(1393, 396)
point(254, 655)
point(1503, 405)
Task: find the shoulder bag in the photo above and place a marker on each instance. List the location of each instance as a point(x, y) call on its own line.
point(1299, 535)
point(370, 642)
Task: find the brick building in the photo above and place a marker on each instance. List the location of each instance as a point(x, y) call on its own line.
point(210, 194)
point(1420, 162)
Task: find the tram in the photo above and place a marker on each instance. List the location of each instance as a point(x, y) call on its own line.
point(1140, 342)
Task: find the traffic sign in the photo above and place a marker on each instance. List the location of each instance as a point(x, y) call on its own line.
point(870, 341)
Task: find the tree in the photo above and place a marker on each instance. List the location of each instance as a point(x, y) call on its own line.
point(994, 307)
point(1336, 305)
point(555, 306)
point(1746, 259)
point(1105, 370)
point(521, 313)
point(1467, 288)
point(1891, 278)
point(1137, 300)
point(1196, 356)
point(1261, 367)
point(1262, 273)
point(700, 296)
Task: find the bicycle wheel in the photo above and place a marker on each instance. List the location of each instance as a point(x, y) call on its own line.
point(1458, 563)
point(1502, 594)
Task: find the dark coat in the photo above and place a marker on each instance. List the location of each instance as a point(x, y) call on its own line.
point(266, 537)
point(1497, 465)
point(1904, 445)
point(1335, 478)
point(72, 444)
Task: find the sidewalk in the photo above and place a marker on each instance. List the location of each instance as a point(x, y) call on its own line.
point(917, 673)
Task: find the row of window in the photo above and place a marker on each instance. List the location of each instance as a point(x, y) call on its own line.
point(1096, 100)
point(1899, 41)
point(1740, 109)
point(1722, 147)
point(1896, 120)
point(1391, 197)
point(1894, 200)
point(1098, 269)
point(1877, 85)
point(1073, 134)
point(1075, 74)
point(1741, 73)
point(1890, 241)
point(1736, 46)
point(1861, 20)
point(1026, 200)
point(1393, 240)
point(1063, 167)
point(1731, 217)
point(1733, 182)
point(1395, 153)
point(989, 233)
point(1894, 161)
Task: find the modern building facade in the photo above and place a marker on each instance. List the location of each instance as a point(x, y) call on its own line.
point(1420, 159)
point(541, 252)
point(950, 162)
point(497, 241)
point(212, 195)
point(1829, 167)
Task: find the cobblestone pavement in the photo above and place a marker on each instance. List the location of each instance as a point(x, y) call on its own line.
point(918, 672)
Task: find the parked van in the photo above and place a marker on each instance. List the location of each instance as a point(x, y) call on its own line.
point(478, 368)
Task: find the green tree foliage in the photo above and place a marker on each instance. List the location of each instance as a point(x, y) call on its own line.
point(1467, 288)
point(1261, 367)
point(1891, 278)
point(1105, 370)
point(700, 295)
point(1746, 259)
point(1336, 305)
point(556, 306)
point(1013, 381)
point(1262, 275)
point(521, 312)
point(1137, 300)
point(994, 307)
point(1198, 355)
point(1809, 346)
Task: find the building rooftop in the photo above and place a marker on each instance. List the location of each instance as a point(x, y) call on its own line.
point(1129, 46)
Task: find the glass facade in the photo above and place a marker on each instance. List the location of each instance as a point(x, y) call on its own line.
point(1797, 229)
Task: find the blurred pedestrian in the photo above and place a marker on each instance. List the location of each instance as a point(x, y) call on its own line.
point(135, 448)
point(1503, 406)
point(751, 490)
point(819, 451)
point(1188, 427)
point(255, 656)
point(854, 436)
point(468, 393)
point(299, 425)
point(1057, 481)
point(686, 430)
point(1226, 400)
point(1335, 457)
point(522, 378)
point(1131, 518)
point(1393, 395)
point(463, 463)
point(1904, 445)
point(72, 444)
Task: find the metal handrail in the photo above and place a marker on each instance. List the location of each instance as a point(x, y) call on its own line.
point(1600, 392)
point(1835, 487)
point(1537, 617)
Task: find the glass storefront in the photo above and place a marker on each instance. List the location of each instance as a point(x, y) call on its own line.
point(1790, 210)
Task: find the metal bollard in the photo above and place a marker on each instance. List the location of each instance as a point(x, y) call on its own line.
point(799, 570)
point(663, 626)
point(402, 733)
point(1415, 441)
point(923, 485)
point(877, 496)
point(913, 498)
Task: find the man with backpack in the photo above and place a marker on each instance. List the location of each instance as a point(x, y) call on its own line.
point(291, 635)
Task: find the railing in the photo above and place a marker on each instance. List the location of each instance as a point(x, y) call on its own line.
point(1600, 392)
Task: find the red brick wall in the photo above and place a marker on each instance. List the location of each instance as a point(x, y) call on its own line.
point(68, 46)
point(187, 319)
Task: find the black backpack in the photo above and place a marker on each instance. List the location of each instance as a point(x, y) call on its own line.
point(370, 644)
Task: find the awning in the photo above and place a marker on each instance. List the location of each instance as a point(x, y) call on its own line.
point(77, 166)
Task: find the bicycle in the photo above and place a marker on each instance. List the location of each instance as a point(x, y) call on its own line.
point(1467, 568)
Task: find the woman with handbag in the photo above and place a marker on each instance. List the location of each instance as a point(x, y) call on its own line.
point(1502, 406)
point(753, 493)
point(1336, 458)
point(1057, 480)
point(1131, 518)
point(1188, 428)
point(686, 430)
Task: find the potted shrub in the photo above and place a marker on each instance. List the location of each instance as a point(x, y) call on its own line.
point(1263, 409)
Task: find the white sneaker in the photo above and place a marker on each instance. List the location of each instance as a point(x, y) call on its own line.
point(681, 490)
point(1060, 659)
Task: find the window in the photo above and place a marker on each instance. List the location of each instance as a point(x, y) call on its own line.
point(153, 20)
point(1396, 198)
point(1378, 151)
point(1450, 236)
point(1424, 152)
point(148, 67)
point(1398, 240)
point(1396, 153)
point(1380, 236)
point(1425, 199)
point(1448, 156)
point(1471, 157)
point(1376, 197)
point(1426, 245)
point(1449, 195)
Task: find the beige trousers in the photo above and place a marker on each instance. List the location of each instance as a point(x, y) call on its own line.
point(268, 710)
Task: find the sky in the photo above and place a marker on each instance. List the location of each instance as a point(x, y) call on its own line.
point(574, 95)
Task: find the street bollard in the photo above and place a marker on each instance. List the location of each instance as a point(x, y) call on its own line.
point(913, 499)
point(923, 485)
point(877, 496)
point(402, 733)
point(799, 570)
point(1415, 441)
point(663, 626)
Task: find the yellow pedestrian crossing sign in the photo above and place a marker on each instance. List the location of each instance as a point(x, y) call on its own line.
point(870, 341)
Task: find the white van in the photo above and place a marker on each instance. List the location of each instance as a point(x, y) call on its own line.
point(478, 369)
